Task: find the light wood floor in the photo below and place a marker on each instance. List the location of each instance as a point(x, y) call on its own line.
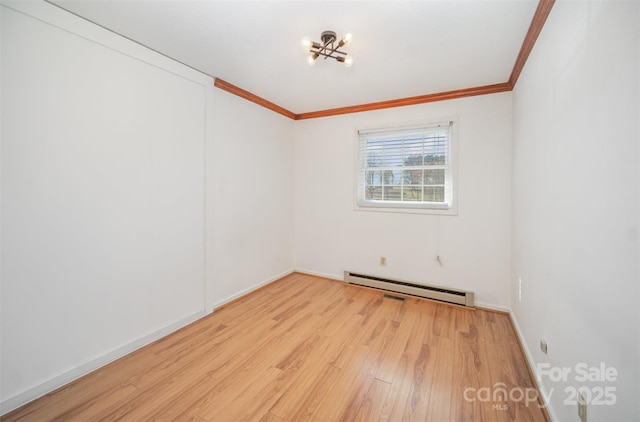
point(308, 348)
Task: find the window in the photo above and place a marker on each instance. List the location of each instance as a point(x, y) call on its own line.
point(406, 168)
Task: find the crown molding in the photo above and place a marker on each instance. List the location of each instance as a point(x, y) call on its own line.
point(420, 99)
point(235, 90)
point(537, 23)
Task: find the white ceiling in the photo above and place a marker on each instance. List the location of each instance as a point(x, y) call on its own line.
point(400, 48)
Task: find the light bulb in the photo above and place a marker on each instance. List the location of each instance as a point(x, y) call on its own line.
point(348, 61)
point(311, 59)
point(306, 44)
point(347, 39)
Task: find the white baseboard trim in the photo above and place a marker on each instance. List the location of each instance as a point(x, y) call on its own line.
point(316, 273)
point(11, 403)
point(252, 288)
point(493, 307)
point(532, 364)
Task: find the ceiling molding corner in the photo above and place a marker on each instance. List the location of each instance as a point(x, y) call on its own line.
point(235, 90)
point(537, 23)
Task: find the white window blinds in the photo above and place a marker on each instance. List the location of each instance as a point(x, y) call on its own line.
point(406, 167)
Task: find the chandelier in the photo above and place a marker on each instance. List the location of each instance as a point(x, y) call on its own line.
point(328, 48)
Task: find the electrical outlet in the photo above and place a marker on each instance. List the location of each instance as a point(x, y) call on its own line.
point(383, 261)
point(582, 407)
point(543, 346)
point(519, 289)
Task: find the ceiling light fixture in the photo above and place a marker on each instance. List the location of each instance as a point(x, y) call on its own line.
point(327, 48)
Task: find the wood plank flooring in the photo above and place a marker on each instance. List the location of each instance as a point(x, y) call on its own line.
point(308, 348)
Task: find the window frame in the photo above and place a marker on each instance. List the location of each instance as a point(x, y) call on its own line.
point(413, 207)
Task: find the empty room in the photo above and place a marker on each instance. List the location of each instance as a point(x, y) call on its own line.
point(320, 210)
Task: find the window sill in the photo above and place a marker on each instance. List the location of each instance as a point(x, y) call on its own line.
point(407, 208)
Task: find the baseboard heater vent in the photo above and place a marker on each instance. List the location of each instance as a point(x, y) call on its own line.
point(430, 292)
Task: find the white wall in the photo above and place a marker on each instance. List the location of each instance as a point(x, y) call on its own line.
point(331, 237)
point(576, 202)
point(103, 208)
point(253, 196)
point(125, 213)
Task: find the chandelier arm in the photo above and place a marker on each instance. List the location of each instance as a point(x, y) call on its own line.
point(339, 52)
point(335, 50)
point(329, 54)
point(326, 46)
point(326, 56)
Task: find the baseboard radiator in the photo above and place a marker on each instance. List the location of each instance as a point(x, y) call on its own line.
point(430, 292)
